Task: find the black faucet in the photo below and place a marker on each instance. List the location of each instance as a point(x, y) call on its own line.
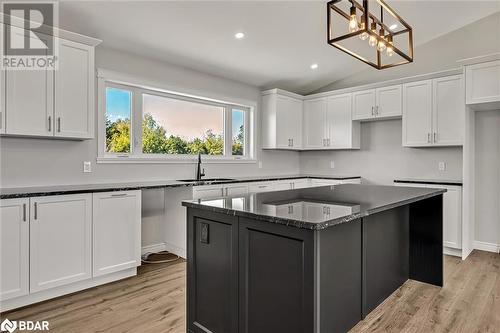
point(199, 172)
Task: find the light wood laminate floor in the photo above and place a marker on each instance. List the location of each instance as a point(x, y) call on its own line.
point(154, 301)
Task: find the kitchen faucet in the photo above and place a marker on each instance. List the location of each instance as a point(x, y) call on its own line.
point(199, 172)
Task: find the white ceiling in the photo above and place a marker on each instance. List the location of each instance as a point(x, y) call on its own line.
point(282, 38)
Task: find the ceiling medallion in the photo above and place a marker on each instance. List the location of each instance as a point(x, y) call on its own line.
point(381, 42)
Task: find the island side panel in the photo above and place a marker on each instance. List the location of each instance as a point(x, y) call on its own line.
point(339, 270)
point(276, 278)
point(212, 272)
point(385, 255)
point(426, 240)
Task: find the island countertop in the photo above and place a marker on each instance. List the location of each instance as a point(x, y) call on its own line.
point(315, 208)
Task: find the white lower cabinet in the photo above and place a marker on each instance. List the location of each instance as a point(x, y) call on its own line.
point(116, 231)
point(14, 247)
point(452, 213)
point(60, 240)
point(47, 244)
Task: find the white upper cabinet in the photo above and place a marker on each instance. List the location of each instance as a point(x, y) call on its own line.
point(377, 103)
point(417, 113)
point(342, 132)
point(433, 112)
point(29, 101)
point(52, 103)
point(389, 102)
point(483, 85)
point(363, 104)
point(74, 91)
point(281, 121)
point(60, 240)
point(315, 135)
point(448, 111)
point(14, 248)
point(117, 231)
point(328, 123)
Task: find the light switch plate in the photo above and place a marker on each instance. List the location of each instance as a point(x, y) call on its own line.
point(442, 166)
point(332, 165)
point(260, 164)
point(87, 166)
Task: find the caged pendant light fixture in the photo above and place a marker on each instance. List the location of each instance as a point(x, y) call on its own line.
point(381, 40)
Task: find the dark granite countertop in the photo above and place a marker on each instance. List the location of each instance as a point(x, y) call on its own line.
point(453, 182)
point(315, 208)
point(21, 192)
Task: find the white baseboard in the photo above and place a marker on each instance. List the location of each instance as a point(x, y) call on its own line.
point(485, 246)
point(164, 247)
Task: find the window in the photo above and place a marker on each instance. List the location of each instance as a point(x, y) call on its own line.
point(118, 115)
point(152, 124)
point(176, 126)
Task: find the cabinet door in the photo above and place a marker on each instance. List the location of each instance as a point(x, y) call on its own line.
point(363, 104)
point(389, 101)
point(205, 192)
point(314, 123)
point(14, 247)
point(339, 122)
point(483, 82)
point(288, 122)
point(74, 108)
point(300, 183)
point(212, 272)
point(417, 114)
point(276, 278)
point(448, 111)
point(29, 102)
point(235, 189)
point(2, 99)
point(452, 215)
point(60, 240)
point(117, 231)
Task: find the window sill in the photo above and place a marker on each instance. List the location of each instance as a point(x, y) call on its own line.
point(170, 160)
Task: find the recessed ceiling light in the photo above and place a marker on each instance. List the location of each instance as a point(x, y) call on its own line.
point(239, 35)
point(393, 27)
point(314, 66)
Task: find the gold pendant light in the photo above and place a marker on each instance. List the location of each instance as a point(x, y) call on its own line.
point(390, 39)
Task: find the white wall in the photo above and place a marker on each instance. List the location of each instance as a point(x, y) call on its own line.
point(478, 38)
point(487, 177)
point(28, 162)
point(382, 158)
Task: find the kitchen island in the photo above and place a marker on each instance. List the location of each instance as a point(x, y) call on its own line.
point(307, 260)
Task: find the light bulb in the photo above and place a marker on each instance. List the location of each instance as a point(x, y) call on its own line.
point(353, 21)
point(353, 24)
point(381, 46)
point(364, 35)
point(373, 40)
point(390, 51)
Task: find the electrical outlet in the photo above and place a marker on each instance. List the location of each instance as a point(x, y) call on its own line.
point(260, 164)
point(442, 166)
point(332, 165)
point(87, 166)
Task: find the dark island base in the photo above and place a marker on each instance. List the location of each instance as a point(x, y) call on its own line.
point(250, 276)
